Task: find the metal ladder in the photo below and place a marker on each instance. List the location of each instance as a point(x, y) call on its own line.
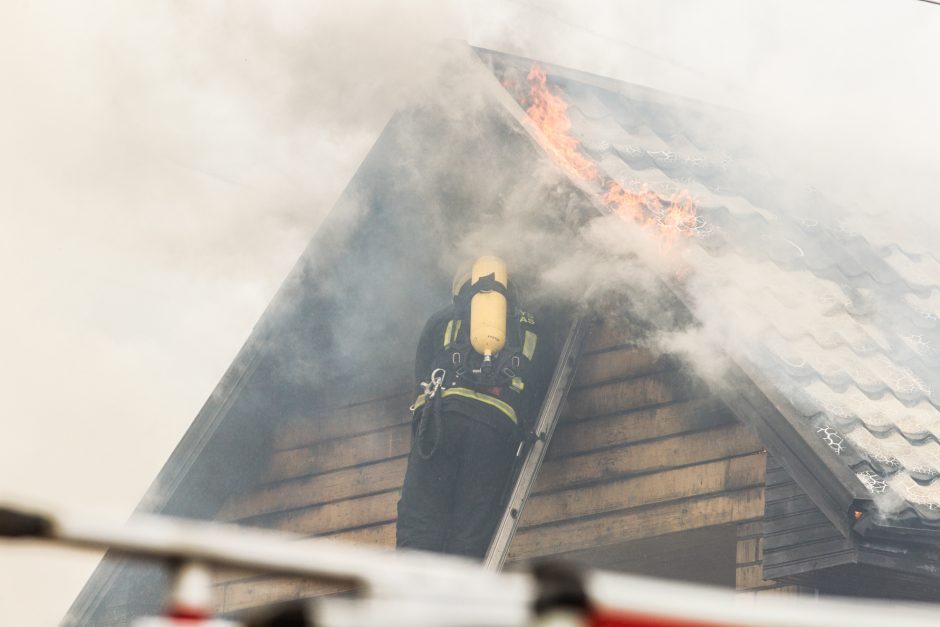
point(544, 427)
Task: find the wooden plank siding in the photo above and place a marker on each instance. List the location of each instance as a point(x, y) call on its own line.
point(752, 537)
point(255, 592)
point(340, 422)
point(749, 562)
point(798, 537)
point(704, 556)
point(642, 450)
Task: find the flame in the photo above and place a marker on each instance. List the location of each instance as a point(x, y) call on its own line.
point(550, 114)
point(638, 206)
point(672, 216)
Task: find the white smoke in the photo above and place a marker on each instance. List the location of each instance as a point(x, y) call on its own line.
point(823, 109)
point(843, 125)
point(162, 167)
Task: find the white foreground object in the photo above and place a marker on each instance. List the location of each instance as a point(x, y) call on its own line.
point(419, 589)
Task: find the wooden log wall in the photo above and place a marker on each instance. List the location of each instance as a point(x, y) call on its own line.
point(752, 536)
point(642, 450)
point(797, 536)
point(338, 475)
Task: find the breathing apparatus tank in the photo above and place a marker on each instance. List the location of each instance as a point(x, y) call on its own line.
point(488, 311)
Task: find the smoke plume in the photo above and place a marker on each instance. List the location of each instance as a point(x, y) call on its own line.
point(162, 167)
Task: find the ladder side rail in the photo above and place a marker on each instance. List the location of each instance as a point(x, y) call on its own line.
point(544, 428)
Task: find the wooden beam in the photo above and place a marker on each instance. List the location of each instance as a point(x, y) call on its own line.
point(749, 551)
point(679, 483)
point(380, 536)
point(646, 457)
point(784, 508)
point(804, 558)
point(621, 396)
point(620, 364)
point(780, 524)
point(752, 578)
point(785, 491)
point(388, 474)
point(335, 516)
point(630, 525)
point(376, 535)
point(344, 421)
point(340, 453)
point(754, 528)
point(783, 589)
point(325, 488)
point(805, 535)
point(703, 555)
point(252, 593)
point(574, 437)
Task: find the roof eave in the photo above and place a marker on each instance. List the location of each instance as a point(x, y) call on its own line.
point(873, 527)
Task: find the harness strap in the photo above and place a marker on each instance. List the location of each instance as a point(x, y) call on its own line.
point(488, 283)
point(453, 329)
point(528, 344)
point(502, 406)
point(428, 421)
point(457, 349)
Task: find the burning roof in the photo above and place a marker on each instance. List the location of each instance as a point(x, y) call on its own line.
point(841, 327)
point(835, 326)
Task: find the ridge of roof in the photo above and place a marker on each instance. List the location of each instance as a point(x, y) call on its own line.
point(631, 90)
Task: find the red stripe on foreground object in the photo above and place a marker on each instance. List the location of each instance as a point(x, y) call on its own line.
point(632, 619)
point(186, 614)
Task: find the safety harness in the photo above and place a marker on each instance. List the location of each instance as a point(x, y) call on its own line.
point(458, 371)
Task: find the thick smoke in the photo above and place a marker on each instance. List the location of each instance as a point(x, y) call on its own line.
point(843, 127)
point(162, 168)
point(844, 123)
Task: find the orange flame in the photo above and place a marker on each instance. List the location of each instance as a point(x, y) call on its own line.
point(550, 114)
point(671, 216)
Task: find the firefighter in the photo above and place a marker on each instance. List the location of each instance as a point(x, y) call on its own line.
point(480, 372)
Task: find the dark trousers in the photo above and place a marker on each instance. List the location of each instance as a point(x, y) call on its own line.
point(452, 502)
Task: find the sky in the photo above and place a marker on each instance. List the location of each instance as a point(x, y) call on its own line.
point(163, 165)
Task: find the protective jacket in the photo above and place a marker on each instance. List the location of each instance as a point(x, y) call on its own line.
point(506, 396)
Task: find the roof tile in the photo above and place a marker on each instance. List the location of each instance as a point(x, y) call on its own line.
point(840, 314)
